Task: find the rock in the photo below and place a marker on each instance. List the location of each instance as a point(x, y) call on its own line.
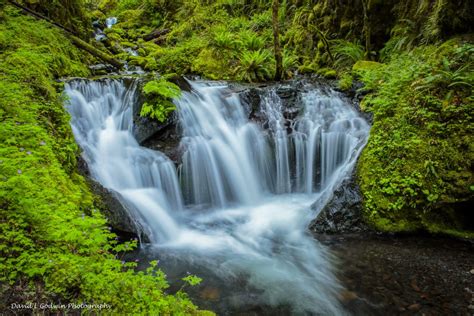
point(101, 69)
point(144, 127)
point(181, 82)
point(122, 220)
point(347, 296)
point(210, 294)
point(414, 307)
point(251, 100)
point(343, 212)
point(167, 141)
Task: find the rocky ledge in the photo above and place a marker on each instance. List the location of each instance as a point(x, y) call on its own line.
point(343, 212)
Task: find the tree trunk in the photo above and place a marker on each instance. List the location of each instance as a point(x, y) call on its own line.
point(156, 33)
point(95, 52)
point(365, 7)
point(276, 40)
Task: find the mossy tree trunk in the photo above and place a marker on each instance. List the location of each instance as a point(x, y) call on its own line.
point(365, 8)
point(276, 40)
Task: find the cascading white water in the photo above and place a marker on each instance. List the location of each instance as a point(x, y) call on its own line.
point(102, 123)
point(247, 193)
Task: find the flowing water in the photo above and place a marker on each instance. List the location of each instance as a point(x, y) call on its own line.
point(238, 206)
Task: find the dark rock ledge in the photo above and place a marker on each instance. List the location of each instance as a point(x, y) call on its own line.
point(343, 213)
point(122, 220)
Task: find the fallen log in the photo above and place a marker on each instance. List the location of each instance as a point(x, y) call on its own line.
point(79, 43)
point(156, 33)
point(95, 52)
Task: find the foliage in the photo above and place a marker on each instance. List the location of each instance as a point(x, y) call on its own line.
point(70, 14)
point(159, 94)
point(255, 66)
point(54, 243)
point(290, 63)
point(346, 53)
point(345, 82)
point(415, 172)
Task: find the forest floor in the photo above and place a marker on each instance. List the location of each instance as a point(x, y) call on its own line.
point(404, 275)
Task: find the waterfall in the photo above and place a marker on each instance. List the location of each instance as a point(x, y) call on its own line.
point(239, 203)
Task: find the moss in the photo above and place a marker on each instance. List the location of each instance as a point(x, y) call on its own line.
point(210, 66)
point(415, 169)
point(345, 82)
point(54, 243)
point(365, 65)
point(307, 68)
point(327, 73)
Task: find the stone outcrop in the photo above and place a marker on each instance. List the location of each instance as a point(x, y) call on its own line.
point(343, 212)
point(123, 221)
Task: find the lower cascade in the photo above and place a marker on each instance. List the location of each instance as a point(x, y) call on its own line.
point(241, 200)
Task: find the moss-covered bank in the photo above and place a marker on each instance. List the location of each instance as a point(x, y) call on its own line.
point(55, 245)
point(416, 172)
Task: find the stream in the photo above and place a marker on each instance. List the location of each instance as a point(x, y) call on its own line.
point(236, 209)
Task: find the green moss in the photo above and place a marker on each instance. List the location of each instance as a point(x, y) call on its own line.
point(308, 68)
point(416, 166)
point(327, 73)
point(54, 243)
point(345, 82)
point(365, 65)
point(211, 66)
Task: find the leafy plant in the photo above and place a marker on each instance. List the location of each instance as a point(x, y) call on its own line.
point(254, 66)
point(416, 164)
point(55, 245)
point(289, 63)
point(346, 53)
point(251, 41)
point(159, 94)
point(223, 40)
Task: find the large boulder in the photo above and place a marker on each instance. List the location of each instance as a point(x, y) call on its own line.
point(144, 128)
point(343, 212)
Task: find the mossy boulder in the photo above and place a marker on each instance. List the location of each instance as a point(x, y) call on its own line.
point(327, 73)
point(366, 65)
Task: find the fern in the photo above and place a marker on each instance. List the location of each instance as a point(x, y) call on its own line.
point(289, 64)
point(254, 66)
point(159, 94)
point(347, 53)
point(251, 41)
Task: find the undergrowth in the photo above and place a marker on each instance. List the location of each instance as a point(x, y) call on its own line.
point(55, 245)
point(415, 172)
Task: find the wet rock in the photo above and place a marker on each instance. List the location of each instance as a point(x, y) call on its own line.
point(119, 218)
point(343, 212)
point(251, 100)
point(181, 82)
point(101, 69)
point(210, 294)
point(167, 140)
point(144, 128)
point(122, 220)
point(347, 296)
point(414, 307)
